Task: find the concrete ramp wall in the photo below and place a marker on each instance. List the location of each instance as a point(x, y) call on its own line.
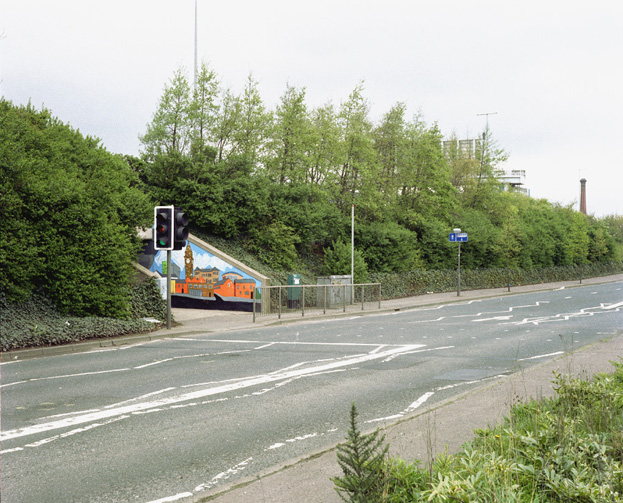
point(203, 277)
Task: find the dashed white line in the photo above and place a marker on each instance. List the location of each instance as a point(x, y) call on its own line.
point(223, 475)
point(540, 356)
point(177, 497)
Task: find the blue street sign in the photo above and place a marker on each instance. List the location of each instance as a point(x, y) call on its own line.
point(460, 237)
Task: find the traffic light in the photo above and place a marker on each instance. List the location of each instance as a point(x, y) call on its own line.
point(163, 228)
point(180, 232)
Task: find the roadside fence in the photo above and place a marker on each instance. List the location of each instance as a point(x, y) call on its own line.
point(308, 300)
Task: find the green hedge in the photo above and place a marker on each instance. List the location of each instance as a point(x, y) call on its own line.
point(397, 285)
point(36, 322)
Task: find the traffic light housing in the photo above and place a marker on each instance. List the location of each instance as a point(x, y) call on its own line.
point(163, 227)
point(180, 229)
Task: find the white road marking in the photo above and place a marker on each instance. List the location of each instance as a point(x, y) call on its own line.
point(420, 401)
point(465, 383)
point(177, 497)
point(410, 408)
point(65, 376)
point(265, 345)
point(478, 315)
point(116, 411)
point(223, 475)
point(495, 318)
point(390, 358)
point(540, 356)
point(584, 312)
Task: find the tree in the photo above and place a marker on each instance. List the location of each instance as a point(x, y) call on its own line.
point(275, 244)
point(70, 210)
point(357, 163)
point(249, 135)
point(462, 165)
point(390, 141)
point(290, 142)
point(423, 180)
point(361, 458)
point(490, 156)
point(389, 247)
point(203, 109)
point(170, 130)
point(338, 258)
point(325, 146)
point(509, 239)
point(579, 240)
point(226, 124)
point(475, 168)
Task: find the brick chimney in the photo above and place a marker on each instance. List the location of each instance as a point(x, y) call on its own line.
point(583, 195)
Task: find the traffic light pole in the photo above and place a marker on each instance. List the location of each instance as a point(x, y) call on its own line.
point(169, 289)
point(170, 233)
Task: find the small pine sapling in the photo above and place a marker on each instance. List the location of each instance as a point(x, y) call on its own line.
point(362, 459)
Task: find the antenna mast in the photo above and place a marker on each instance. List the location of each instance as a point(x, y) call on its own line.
point(487, 117)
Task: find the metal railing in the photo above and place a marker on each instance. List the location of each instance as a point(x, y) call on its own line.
point(309, 300)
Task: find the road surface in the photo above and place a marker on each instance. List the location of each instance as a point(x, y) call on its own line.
point(164, 420)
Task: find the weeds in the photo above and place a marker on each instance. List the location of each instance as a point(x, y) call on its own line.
point(566, 448)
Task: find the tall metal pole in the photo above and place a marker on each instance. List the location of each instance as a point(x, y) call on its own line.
point(352, 253)
point(195, 82)
point(458, 278)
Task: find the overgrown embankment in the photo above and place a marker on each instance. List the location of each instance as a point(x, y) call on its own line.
point(566, 448)
point(396, 285)
point(36, 322)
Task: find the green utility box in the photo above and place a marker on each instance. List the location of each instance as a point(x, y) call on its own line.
point(294, 293)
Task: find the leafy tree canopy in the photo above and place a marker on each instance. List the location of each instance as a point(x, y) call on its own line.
point(293, 173)
point(69, 211)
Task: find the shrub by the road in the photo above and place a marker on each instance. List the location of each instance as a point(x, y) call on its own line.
point(566, 448)
point(36, 322)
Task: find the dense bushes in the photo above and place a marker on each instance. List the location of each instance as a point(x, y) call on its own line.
point(69, 214)
point(282, 184)
point(36, 322)
point(289, 179)
point(567, 448)
point(396, 285)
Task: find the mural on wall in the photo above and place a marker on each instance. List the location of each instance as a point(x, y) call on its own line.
point(200, 280)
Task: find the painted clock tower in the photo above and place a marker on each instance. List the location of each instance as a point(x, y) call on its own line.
point(188, 260)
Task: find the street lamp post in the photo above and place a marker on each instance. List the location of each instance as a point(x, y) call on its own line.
point(458, 277)
point(352, 253)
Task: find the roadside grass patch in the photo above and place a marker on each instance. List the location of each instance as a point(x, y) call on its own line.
point(566, 448)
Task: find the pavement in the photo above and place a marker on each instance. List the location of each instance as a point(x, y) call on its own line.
point(442, 427)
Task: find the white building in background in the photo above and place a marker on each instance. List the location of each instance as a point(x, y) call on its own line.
point(468, 149)
point(514, 180)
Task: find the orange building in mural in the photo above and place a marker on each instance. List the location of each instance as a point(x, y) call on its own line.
point(245, 288)
point(180, 287)
point(205, 282)
point(225, 288)
point(198, 287)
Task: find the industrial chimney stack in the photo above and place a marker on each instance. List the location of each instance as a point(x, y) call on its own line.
point(583, 195)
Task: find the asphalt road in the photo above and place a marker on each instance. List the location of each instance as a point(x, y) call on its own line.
point(171, 418)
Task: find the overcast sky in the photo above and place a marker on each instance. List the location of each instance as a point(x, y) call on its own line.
point(551, 70)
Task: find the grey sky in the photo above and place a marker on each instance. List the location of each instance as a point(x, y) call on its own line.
point(551, 70)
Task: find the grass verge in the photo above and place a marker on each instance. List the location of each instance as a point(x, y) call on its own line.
point(566, 448)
